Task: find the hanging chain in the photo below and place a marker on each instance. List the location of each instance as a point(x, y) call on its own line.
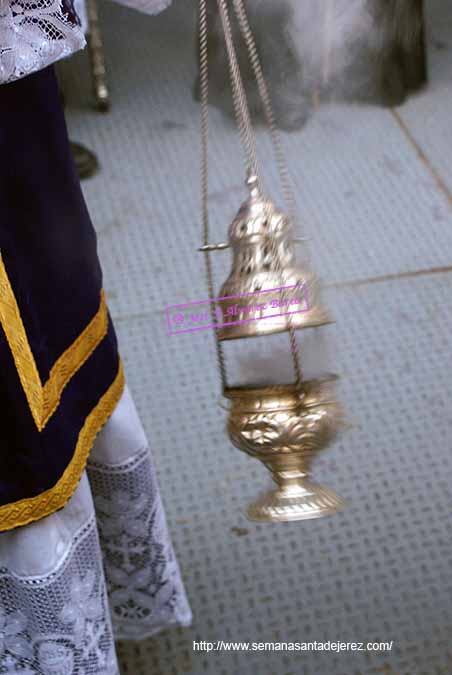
point(204, 86)
point(248, 37)
point(248, 143)
point(241, 109)
point(294, 349)
point(284, 175)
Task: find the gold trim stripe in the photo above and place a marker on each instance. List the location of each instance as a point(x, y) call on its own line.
point(43, 400)
point(73, 359)
point(27, 510)
point(13, 327)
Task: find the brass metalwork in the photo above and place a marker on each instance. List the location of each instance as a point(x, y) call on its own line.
point(97, 58)
point(285, 428)
point(286, 425)
point(263, 260)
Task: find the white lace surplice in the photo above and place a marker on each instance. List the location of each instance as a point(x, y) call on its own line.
point(100, 569)
point(36, 33)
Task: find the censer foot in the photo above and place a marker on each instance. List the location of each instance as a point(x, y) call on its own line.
point(303, 501)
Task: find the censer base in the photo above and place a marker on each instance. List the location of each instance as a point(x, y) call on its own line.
point(303, 501)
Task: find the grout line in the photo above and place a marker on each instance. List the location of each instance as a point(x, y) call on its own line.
point(345, 284)
point(371, 280)
point(441, 185)
point(137, 315)
point(391, 277)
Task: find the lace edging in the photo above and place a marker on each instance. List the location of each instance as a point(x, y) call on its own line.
point(34, 35)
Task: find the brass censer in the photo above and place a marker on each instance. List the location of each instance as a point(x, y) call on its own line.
point(285, 428)
point(282, 425)
point(262, 243)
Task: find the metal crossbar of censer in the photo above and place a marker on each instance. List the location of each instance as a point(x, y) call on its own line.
point(283, 425)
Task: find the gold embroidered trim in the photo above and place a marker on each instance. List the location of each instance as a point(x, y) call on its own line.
point(73, 359)
point(13, 327)
point(27, 510)
point(44, 399)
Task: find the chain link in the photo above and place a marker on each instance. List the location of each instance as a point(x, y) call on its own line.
point(286, 182)
point(248, 141)
point(204, 87)
point(241, 109)
point(288, 192)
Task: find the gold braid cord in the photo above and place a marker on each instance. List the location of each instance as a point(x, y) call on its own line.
point(25, 511)
point(44, 399)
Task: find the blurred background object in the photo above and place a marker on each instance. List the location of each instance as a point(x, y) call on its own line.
point(365, 50)
point(97, 57)
point(86, 161)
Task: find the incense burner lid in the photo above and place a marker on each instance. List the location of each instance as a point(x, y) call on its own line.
point(258, 217)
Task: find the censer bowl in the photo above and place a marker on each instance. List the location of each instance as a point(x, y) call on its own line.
point(285, 428)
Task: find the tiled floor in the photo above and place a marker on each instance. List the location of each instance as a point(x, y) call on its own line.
point(375, 197)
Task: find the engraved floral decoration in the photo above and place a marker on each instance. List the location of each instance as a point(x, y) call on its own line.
point(296, 430)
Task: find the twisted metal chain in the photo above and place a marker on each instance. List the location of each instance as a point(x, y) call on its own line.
point(204, 86)
point(294, 348)
point(288, 193)
point(241, 109)
point(248, 143)
point(286, 182)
